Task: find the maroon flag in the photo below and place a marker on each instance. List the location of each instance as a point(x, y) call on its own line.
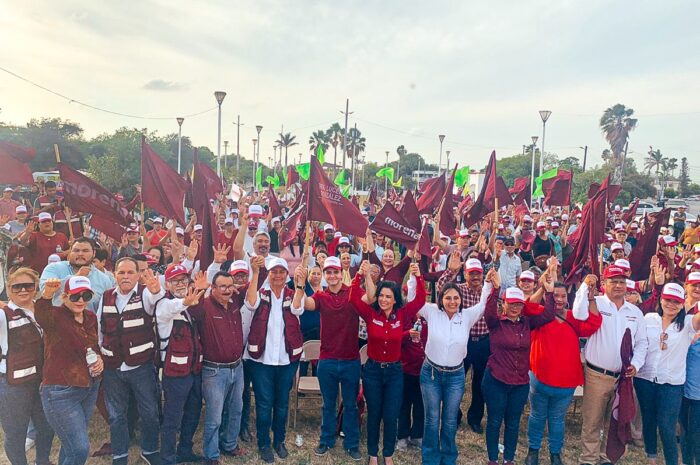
point(519, 185)
point(292, 176)
point(355, 200)
point(205, 185)
point(14, 160)
point(623, 408)
point(113, 230)
point(293, 224)
point(523, 194)
point(433, 190)
point(272, 201)
point(586, 239)
point(447, 216)
point(210, 233)
point(409, 210)
point(593, 189)
point(390, 223)
point(493, 188)
point(557, 190)
point(612, 189)
point(641, 254)
point(326, 203)
point(631, 212)
point(372, 194)
point(162, 188)
point(464, 204)
point(85, 195)
point(521, 209)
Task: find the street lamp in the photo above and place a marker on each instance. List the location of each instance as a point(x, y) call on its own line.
point(442, 138)
point(255, 165)
point(225, 154)
point(219, 95)
point(448, 161)
point(179, 143)
point(532, 167)
point(544, 114)
point(585, 155)
point(256, 155)
point(386, 180)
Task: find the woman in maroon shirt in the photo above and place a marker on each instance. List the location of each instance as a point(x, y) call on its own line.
point(72, 365)
point(382, 376)
point(506, 381)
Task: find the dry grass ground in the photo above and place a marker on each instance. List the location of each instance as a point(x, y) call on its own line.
point(472, 447)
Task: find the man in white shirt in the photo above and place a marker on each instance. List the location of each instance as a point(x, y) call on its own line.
point(602, 353)
point(510, 264)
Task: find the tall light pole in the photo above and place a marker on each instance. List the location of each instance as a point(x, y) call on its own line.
point(179, 144)
point(238, 146)
point(345, 134)
point(386, 180)
point(442, 138)
point(225, 154)
point(585, 155)
point(544, 114)
point(532, 168)
point(274, 147)
point(257, 154)
point(448, 161)
point(255, 165)
point(219, 95)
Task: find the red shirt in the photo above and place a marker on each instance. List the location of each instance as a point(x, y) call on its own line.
point(154, 236)
point(555, 353)
point(222, 239)
point(339, 324)
point(413, 353)
point(41, 246)
point(384, 335)
point(220, 329)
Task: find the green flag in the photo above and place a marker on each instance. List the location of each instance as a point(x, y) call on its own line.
point(462, 176)
point(342, 179)
point(538, 181)
point(346, 191)
point(398, 183)
point(386, 172)
point(258, 177)
point(273, 180)
point(320, 154)
point(304, 170)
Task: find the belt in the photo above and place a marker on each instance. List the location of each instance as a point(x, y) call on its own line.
point(209, 364)
point(614, 374)
point(384, 364)
point(445, 369)
point(478, 338)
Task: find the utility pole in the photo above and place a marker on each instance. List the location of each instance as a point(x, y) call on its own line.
point(345, 134)
point(386, 180)
point(225, 154)
point(585, 155)
point(238, 146)
point(352, 160)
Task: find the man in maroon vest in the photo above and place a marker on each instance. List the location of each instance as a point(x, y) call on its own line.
point(128, 345)
point(274, 346)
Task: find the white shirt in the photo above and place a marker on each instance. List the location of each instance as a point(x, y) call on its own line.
point(4, 343)
point(275, 349)
point(509, 269)
point(603, 347)
point(666, 366)
point(448, 337)
point(167, 311)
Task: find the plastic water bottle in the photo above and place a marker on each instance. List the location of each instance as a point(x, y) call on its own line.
point(90, 357)
point(418, 326)
point(501, 448)
point(299, 441)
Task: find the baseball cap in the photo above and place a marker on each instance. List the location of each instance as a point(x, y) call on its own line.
point(619, 227)
point(158, 219)
point(54, 258)
point(228, 221)
point(77, 284)
point(673, 291)
point(631, 286)
point(275, 262)
point(541, 225)
point(20, 209)
point(555, 224)
point(696, 264)
point(332, 262)
point(622, 263)
point(179, 231)
point(9, 189)
point(328, 227)
point(613, 271)
point(235, 210)
point(343, 241)
point(527, 218)
point(197, 227)
point(617, 208)
point(527, 275)
point(693, 278)
point(579, 215)
point(634, 226)
point(255, 211)
point(174, 270)
point(239, 266)
point(550, 218)
point(133, 227)
point(668, 241)
point(463, 233)
point(564, 217)
point(514, 295)
point(608, 238)
point(616, 246)
point(43, 216)
point(150, 259)
point(473, 264)
point(337, 234)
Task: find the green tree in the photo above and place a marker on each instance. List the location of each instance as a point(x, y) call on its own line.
point(616, 124)
point(654, 161)
point(520, 165)
point(286, 141)
point(318, 138)
point(684, 178)
point(334, 135)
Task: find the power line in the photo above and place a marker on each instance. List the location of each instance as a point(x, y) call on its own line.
point(104, 110)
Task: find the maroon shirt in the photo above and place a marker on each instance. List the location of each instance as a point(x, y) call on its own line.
point(509, 361)
point(339, 325)
point(413, 353)
point(396, 273)
point(40, 247)
point(220, 329)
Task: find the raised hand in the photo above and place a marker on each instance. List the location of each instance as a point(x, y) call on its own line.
point(84, 271)
point(414, 269)
point(151, 281)
point(200, 281)
point(192, 297)
point(4, 219)
point(548, 283)
point(454, 263)
point(364, 268)
point(300, 276)
point(124, 242)
point(221, 252)
point(51, 286)
point(257, 263)
point(494, 278)
point(591, 280)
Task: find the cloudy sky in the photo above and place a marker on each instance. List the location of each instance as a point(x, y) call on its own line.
point(477, 72)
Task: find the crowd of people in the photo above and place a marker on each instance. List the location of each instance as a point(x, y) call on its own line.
point(143, 331)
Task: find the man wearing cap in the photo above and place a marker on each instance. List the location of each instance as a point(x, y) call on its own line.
point(617, 252)
point(575, 226)
point(621, 237)
point(633, 236)
point(18, 224)
point(155, 235)
point(602, 354)
point(343, 245)
point(8, 205)
point(130, 245)
point(339, 362)
point(462, 246)
point(275, 344)
point(478, 347)
point(42, 243)
point(510, 265)
point(261, 247)
point(48, 202)
point(125, 317)
point(679, 218)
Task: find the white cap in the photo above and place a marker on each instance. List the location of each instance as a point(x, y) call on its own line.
point(158, 219)
point(197, 227)
point(239, 266)
point(527, 218)
point(578, 215)
point(622, 263)
point(235, 210)
point(473, 264)
point(514, 295)
point(564, 217)
point(9, 189)
point(631, 285)
point(616, 246)
point(20, 209)
point(328, 227)
point(365, 213)
point(76, 284)
point(228, 221)
point(634, 225)
point(541, 224)
point(619, 227)
point(668, 240)
point(255, 211)
point(696, 263)
point(555, 224)
point(43, 216)
point(550, 218)
point(693, 278)
point(463, 233)
point(275, 262)
point(54, 258)
point(338, 234)
point(673, 291)
point(528, 275)
point(332, 262)
point(617, 208)
point(180, 231)
point(343, 240)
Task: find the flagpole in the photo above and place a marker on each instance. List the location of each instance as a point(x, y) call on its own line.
point(68, 219)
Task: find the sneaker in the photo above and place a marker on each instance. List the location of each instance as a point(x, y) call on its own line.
point(281, 450)
point(354, 454)
point(402, 444)
point(556, 459)
point(236, 452)
point(152, 458)
point(533, 457)
point(321, 450)
point(28, 444)
point(267, 455)
point(184, 457)
point(245, 436)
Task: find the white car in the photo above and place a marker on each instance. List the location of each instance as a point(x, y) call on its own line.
point(645, 207)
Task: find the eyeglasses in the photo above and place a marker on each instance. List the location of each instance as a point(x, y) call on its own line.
point(85, 295)
point(179, 282)
point(19, 287)
point(663, 338)
point(225, 287)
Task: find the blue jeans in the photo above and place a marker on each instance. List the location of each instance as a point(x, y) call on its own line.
point(660, 405)
point(347, 374)
point(548, 404)
point(222, 389)
point(181, 411)
point(504, 404)
point(382, 388)
point(142, 382)
point(18, 404)
point(690, 431)
point(271, 384)
point(442, 394)
point(68, 410)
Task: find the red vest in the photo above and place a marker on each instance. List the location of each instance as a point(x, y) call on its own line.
point(293, 339)
point(25, 348)
point(127, 336)
point(183, 349)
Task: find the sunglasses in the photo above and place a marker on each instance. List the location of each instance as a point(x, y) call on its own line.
point(19, 287)
point(85, 295)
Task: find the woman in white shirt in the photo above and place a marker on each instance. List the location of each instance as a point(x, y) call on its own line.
point(659, 383)
point(442, 374)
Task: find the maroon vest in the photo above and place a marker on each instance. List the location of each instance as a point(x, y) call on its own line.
point(293, 339)
point(128, 336)
point(182, 347)
point(25, 348)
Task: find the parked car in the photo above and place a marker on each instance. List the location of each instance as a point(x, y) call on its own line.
point(645, 207)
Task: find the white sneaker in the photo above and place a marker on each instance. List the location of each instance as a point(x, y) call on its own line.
point(401, 444)
point(28, 444)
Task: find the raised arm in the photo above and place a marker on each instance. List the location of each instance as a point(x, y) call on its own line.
point(299, 295)
point(356, 293)
point(251, 297)
point(412, 307)
point(585, 302)
point(43, 309)
point(238, 252)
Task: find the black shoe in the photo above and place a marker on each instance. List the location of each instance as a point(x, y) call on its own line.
point(556, 459)
point(151, 459)
point(321, 450)
point(188, 457)
point(245, 436)
point(281, 450)
point(267, 455)
point(354, 454)
point(238, 451)
point(476, 427)
point(533, 457)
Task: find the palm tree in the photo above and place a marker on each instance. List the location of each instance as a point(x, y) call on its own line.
point(286, 141)
point(334, 134)
point(317, 139)
point(672, 165)
point(356, 145)
point(616, 124)
point(654, 161)
point(400, 151)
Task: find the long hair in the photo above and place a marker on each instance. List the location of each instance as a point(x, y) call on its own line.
point(395, 289)
point(679, 320)
point(444, 290)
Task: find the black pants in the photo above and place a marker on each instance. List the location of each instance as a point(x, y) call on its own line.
point(477, 355)
point(411, 415)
